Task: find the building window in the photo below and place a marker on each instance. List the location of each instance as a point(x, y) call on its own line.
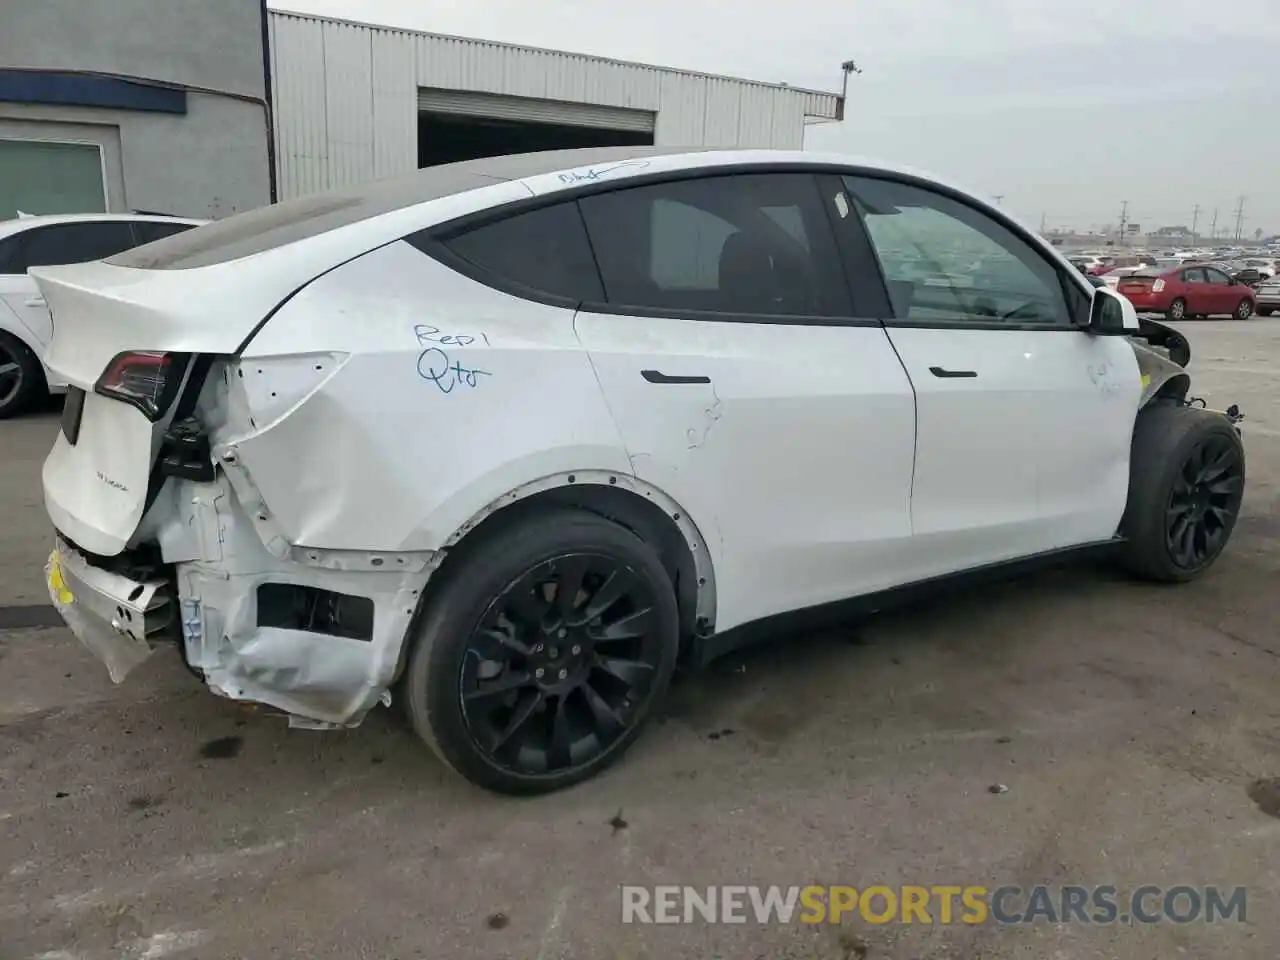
point(49, 176)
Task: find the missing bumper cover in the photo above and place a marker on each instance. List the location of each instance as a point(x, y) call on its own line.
point(294, 607)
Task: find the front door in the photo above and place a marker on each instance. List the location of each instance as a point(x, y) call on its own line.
point(1224, 293)
point(1023, 419)
point(744, 387)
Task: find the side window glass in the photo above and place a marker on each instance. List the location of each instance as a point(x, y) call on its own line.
point(751, 244)
point(947, 263)
point(545, 251)
point(1216, 276)
point(76, 242)
point(1193, 276)
point(149, 231)
point(11, 258)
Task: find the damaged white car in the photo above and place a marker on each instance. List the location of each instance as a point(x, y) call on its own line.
point(509, 439)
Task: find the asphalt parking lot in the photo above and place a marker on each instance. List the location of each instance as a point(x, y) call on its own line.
point(1136, 730)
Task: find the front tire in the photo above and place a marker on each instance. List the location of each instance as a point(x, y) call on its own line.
point(21, 376)
point(1177, 310)
point(1245, 310)
point(543, 653)
point(1186, 483)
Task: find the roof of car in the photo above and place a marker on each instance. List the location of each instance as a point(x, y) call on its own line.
point(283, 223)
point(18, 224)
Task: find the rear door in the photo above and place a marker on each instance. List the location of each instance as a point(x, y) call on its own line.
point(1023, 420)
point(748, 387)
point(1196, 291)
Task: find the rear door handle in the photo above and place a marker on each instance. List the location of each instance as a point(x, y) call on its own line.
point(657, 376)
point(945, 373)
point(35, 302)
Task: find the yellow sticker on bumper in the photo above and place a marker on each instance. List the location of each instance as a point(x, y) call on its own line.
point(57, 585)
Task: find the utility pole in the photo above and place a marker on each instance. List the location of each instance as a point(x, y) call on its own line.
point(1042, 223)
point(1239, 217)
point(1213, 230)
point(1124, 218)
point(1195, 222)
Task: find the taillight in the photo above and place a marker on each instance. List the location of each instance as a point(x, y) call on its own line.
point(145, 379)
point(1157, 286)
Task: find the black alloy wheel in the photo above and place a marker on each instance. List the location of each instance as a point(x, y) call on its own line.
point(1204, 502)
point(1186, 485)
point(21, 377)
point(543, 647)
point(560, 664)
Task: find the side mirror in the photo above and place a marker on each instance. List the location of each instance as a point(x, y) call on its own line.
point(1111, 314)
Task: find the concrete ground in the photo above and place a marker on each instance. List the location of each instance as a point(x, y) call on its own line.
point(1135, 728)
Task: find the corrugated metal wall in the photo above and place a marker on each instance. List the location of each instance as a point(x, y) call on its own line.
point(346, 97)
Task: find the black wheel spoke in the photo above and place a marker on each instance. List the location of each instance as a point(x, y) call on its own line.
point(529, 608)
point(607, 721)
point(570, 574)
point(633, 673)
point(629, 627)
point(1225, 485)
point(560, 752)
point(616, 586)
point(499, 688)
point(504, 643)
point(525, 708)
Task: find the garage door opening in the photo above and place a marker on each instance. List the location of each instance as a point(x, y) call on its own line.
point(446, 138)
point(458, 125)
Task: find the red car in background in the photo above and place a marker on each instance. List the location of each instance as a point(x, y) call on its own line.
point(1188, 291)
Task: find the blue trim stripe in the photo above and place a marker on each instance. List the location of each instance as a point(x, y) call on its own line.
point(81, 90)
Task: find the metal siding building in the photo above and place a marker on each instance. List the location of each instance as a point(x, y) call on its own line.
point(347, 98)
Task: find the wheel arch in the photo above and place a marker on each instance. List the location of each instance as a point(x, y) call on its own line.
point(1162, 379)
point(645, 510)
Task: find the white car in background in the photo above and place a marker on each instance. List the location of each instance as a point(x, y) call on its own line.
point(1267, 297)
point(508, 439)
point(37, 241)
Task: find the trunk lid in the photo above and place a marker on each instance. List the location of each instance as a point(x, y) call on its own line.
point(96, 478)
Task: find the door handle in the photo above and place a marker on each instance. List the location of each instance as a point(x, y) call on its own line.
point(657, 376)
point(35, 302)
point(945, 373)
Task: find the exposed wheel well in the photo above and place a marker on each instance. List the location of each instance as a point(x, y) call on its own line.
point(646, 519)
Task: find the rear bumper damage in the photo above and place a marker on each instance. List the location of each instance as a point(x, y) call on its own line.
point(315, 634)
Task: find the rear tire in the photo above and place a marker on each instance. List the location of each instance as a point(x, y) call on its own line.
point(21, 376)
point(1177, 310)
point(1245, 310)
point(1186, 483)
point(522, 694)
point(1265, 311)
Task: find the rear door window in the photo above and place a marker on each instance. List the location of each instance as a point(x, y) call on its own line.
point(544, 251)
point(748, 244)
point(1193, 276)
point(62, 243)
point(149, 231)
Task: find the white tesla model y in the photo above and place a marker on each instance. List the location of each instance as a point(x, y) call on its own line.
point(509, 439)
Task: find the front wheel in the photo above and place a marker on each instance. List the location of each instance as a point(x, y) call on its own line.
point(543, 653)
point(1177, 310)
point(1244, 310)
point(1186, 483)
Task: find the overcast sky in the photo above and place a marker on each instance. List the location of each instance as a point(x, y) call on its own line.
point(1066, 107)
